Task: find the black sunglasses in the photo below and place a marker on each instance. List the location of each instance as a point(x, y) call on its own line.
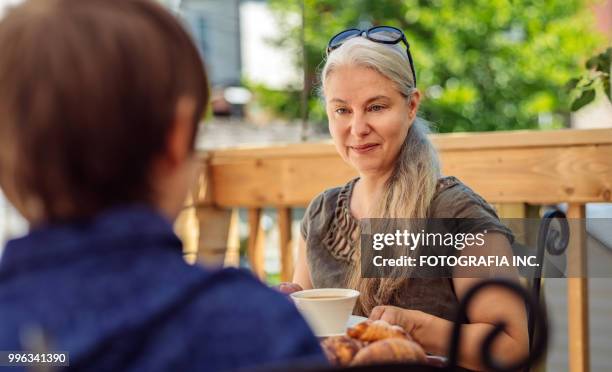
point(379, 34)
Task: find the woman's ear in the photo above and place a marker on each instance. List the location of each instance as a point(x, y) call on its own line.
point(414, 102)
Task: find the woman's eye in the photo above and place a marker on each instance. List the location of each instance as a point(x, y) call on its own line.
point(376, 108)
point(341, 111)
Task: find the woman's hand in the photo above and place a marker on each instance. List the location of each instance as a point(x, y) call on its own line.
point(410, 320)
point(288, 288)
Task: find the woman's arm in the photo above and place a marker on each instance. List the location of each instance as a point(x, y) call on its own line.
point(301, 275)
point(490, 306)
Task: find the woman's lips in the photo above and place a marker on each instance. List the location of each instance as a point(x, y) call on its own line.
point(362, 149)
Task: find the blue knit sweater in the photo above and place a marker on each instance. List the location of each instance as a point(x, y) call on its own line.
point(116, 294)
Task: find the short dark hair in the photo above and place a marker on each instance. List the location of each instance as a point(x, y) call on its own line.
point(88, 91)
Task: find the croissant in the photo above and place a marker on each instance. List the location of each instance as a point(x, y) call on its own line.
point(376, 330)
point(340, 350)
point(391, 350)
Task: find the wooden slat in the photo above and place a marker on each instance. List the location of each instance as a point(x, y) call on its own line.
point(538, 175)
point(514, 213)
point(185, 226)
point(308, 149)
point(255, 247)
point(522, 139)
point(578, 296)
point(290, 182)
point(511, 210)
point(190, 258)
point(444, 142)
point(212, 227)
point(201, 191)
point(232, 255)
point(286, 251)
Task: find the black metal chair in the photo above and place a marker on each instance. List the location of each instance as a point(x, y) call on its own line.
point(553, 242)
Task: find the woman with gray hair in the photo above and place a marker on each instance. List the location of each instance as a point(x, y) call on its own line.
point(369, 86)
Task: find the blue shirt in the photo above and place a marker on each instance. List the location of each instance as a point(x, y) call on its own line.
point(116, 294)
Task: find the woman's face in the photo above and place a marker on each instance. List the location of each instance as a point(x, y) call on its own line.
point(368, 118)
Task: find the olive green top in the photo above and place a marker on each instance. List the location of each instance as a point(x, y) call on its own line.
point(329, 230)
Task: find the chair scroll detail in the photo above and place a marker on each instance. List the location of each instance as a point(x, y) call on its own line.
point(554, 242)
point(538, 347)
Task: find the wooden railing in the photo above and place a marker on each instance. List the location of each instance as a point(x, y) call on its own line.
point(509, 169)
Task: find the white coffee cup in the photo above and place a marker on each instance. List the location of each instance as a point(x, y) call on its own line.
point(326, 310)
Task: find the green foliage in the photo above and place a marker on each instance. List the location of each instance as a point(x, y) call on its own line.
point(273, 279)
point(597, 77)
point(482, 64)
point(285, 103)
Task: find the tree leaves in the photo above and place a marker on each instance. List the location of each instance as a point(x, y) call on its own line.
point(597, 77)
point(600, 62)
point(585, 98)
point(572, 83)
point(505, 54)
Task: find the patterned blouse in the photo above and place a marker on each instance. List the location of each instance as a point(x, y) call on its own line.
point(331, 232)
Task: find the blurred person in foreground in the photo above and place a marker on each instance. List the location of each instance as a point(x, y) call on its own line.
point(99, 106)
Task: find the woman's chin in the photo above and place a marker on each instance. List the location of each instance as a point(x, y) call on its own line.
point(366, 166)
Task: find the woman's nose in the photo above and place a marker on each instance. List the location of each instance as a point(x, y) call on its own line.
point(360, 126)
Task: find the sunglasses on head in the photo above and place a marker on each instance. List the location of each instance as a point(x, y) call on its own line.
point(378, 34)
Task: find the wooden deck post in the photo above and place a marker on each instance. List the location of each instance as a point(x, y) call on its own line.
point(232, 255)
point(213, 234)
point(286, 251)
point(577, 293)
point(255, 249)
point(186, 228)
point(209, 223)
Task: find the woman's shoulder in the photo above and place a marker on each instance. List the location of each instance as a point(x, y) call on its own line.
point(455, 199)
point(324, 206)
point(328, 199)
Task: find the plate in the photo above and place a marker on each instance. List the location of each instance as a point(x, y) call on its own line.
point(436, 361)
point(353, 320)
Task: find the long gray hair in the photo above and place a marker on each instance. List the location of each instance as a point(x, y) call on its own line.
point(411, 187)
